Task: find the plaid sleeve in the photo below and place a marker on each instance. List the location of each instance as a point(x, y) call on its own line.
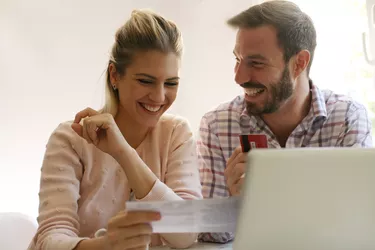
point(211, 168)
point(357, 131)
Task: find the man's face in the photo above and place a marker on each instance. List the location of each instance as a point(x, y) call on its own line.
point(261, 70)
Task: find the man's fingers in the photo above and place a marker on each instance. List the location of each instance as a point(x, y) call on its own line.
point(237, 151)
point(237, 188)
point(240, 158)
point(238, 171)
point(235, 175)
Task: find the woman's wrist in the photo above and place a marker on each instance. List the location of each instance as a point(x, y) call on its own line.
point(99, 243)
point(125, 151)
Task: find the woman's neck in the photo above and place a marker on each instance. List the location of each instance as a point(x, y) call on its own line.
point(133, 132)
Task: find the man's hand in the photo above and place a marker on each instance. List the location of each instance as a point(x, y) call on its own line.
point(235, 171)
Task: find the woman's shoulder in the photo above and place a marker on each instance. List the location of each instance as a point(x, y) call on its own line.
point(176, 127)
point(64, 136)
point(64, 130)
point(172, 120)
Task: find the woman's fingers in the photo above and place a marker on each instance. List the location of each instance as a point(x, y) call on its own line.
point(134, 217)
point(78, 129)
point(131, 230)
point(85, 131)
point(127, 233)
point(92, 122)
point(138, 241)
point(85, 113)
point(81, 130)
point(92, 129)
point(136, 230)
point(140, 248)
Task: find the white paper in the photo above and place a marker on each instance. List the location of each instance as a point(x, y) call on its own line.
point(201, 246)
point(194, 216)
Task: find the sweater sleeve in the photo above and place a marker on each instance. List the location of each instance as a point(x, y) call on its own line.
point(59, 193)
point(181, 180)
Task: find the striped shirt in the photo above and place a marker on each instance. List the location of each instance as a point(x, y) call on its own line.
point(333, 121)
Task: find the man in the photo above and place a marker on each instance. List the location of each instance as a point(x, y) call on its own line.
point(274, 51)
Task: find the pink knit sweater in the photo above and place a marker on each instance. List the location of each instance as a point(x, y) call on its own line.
point(81, 187)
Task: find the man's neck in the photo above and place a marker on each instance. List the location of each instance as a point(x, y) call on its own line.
point(291, 113)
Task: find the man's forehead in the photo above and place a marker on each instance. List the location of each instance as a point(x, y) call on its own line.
point(258, 40)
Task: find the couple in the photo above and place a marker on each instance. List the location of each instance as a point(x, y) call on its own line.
point(131, 150)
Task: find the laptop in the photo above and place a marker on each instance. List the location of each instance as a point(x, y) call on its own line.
point(308, 199)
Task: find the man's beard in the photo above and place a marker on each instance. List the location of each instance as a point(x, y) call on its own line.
point(280, 92)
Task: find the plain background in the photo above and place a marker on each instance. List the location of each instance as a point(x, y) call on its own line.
point(53, 54)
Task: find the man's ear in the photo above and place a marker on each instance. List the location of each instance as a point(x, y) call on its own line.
point(301, 62)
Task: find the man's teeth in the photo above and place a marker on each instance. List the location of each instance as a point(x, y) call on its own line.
point(252, 92)
point(151, 108)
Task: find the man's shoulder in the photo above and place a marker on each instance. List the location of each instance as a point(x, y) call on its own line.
point(336, 102)
point(226, 109)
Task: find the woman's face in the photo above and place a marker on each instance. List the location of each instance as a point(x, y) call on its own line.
point(148, 87)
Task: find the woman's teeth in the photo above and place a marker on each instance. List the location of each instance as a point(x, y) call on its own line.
point(151, 108)
point(253, 92)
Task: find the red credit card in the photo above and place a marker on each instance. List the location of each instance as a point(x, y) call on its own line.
point(251, 141)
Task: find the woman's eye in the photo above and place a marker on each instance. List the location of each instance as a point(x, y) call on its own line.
point(144, 81)
point(171, 83)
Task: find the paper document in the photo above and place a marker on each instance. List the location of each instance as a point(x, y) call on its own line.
point(201, 246)
point(195, 216)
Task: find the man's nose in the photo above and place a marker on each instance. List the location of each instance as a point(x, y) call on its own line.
point(242, 74)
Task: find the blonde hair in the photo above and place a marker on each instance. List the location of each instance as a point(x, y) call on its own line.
point(144, 31)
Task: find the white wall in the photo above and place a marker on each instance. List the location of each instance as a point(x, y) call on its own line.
point(52, 55)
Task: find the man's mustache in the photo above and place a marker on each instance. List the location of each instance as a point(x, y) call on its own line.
point(248, 85)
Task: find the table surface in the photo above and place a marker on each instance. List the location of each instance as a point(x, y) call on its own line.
point(201, 246)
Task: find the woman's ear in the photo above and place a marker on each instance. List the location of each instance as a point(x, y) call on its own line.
point(113, 74)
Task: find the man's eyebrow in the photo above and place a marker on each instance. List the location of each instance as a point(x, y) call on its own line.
point(257, 56)
point(253, 56)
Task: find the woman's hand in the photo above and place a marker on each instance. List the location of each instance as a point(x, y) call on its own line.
point(100, 130)
point(126, 230)
point(130, 230)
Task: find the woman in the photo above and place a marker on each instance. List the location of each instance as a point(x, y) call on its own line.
point(128, 150)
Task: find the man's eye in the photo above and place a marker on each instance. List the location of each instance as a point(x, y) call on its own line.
point(256, 64)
